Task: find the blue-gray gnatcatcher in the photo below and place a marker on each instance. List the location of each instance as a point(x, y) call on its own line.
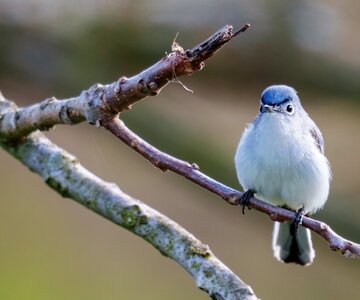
point(280, 159)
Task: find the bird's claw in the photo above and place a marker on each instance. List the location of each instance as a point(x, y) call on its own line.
point(297, 220)
point(245, 200)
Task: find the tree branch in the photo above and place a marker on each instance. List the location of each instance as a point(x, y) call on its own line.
point(191, 171)
point(103, 102)
point(63, 173)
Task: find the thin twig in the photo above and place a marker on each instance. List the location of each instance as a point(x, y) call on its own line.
point(102, 102)
point(191, 171)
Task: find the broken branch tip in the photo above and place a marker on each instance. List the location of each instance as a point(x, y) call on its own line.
point(244, 28)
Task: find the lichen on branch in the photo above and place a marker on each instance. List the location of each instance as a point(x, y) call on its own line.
point(64, 173)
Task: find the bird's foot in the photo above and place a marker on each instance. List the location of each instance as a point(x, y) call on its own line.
point(245, 198)
point(297, 220)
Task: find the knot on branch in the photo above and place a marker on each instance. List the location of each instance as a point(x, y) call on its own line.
point(233, 198)
point(65, 114)
point(98, 108)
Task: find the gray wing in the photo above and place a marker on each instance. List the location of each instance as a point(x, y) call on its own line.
point(318, 139)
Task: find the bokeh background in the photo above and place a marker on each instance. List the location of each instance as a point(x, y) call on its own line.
point(52, 248)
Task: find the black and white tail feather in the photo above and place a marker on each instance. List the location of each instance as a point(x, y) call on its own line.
point(292, 246)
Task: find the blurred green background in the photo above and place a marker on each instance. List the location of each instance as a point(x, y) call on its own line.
point(52, 248)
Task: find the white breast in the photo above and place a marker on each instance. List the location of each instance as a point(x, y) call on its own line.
point(281, 162)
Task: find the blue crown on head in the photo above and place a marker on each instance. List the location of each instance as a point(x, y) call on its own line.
point(278, 94)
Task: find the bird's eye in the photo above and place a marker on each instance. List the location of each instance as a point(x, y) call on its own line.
point(290, 109)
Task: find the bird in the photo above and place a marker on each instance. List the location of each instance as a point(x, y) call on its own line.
point(280, 159)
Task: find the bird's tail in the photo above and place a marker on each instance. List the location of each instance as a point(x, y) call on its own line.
point(291, 246)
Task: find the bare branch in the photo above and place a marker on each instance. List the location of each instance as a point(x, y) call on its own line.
point(191, 171)
point(102, 102)
point(63, 173)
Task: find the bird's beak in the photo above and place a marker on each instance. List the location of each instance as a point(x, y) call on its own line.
point(268, 108)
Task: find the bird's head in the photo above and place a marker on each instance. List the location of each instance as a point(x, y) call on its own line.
point(280, 99)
